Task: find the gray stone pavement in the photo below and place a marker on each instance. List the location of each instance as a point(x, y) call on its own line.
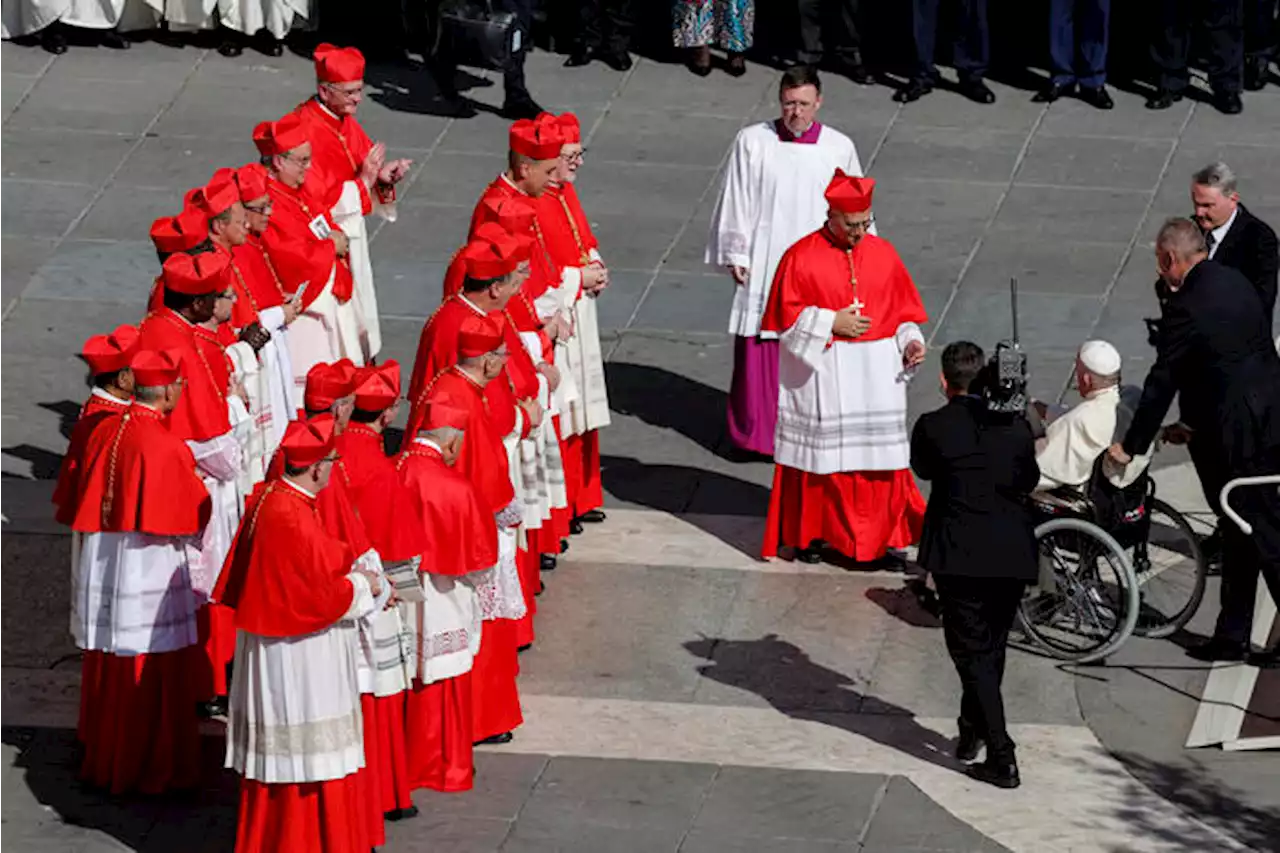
point(834, 671)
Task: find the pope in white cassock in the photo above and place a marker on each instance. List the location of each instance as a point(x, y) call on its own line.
point(772, 196)
point(847, 314)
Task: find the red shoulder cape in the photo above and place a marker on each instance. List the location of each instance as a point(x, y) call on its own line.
point(339, 147)
point(201, 413)
point(66, 494)
point(139, 476)
point(460, 533)
point(483, 460)
point(815, 272)
point(296, 253)
point(285, 576)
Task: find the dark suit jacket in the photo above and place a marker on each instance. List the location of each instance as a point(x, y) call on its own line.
point(982, 467)
point(1250, 247)
point(1214, 351)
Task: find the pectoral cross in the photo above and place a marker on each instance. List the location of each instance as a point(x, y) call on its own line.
point(857, 305)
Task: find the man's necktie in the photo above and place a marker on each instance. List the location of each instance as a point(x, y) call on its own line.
point(1210, 241)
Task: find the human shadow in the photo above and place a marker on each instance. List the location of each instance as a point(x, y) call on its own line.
point(45, 464)
point(904, 605)
point(202, 820)
point(783, 675)
point(665, 399)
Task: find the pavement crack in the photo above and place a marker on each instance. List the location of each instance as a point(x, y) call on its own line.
point(876, 802)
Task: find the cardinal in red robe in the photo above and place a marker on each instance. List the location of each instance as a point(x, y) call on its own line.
point(138, 507)
point(171, 234)
point(294, 732)
point(847, 315)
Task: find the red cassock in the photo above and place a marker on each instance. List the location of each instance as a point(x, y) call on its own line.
point(483, 460)
point(438, 352)
point(138, 720)
point(286, 577)
point(254, 283)
point(201, 413)
point(66, 494)
point(846, 509)
point(297, 254)
point(339, 147)
point(460, 538)
point(363, 458)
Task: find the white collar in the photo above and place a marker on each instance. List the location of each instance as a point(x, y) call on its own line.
point(426, 442)
point(1103, 392)
point(107, 395)
point(512, 184)
point(138, 402)
point(328, 111)
point(296, 487)
point(472, 305)
point(1221, 231)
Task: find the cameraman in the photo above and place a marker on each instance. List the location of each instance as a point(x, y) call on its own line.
point(979, 545)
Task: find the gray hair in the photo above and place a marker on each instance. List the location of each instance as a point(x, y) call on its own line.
point(441, 435)
point(149, 393)
point(1217, 175)
point(1182, 236)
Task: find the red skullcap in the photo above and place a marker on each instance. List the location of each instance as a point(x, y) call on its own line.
point(442, 414)
point(280, 137)
point(535, 140)
point(495, 252)
point(196, 275)
point(327, 384)
point(515, 214)
point(378, 386)
point(478, 336)
point(570, 128)
point(338, 64)
point(251, 180)
point(307, 442)
point(109, 353)
point(219, 194)
point(849, 194)
point(180, 233)
point(156, 368)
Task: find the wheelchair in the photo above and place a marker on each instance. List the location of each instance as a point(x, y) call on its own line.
point(1113, 562)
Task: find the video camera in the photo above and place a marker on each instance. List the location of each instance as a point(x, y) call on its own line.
point(1004, 380)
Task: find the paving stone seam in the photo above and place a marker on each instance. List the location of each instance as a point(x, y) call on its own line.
point(15, 179)
point(986, 229)
point(511, 824)
point(684, 227)
point(415, 173)
point(37, 78)
point(876, 801)
point(702, 804)
point(1133, 239)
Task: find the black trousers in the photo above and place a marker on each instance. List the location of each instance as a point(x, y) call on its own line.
point(971, 45)
point(830, 28)
point(603, 24)
point(1260, 28)
point(443, 68)
point(977, 614)
point(1078, 41)
point(1221, 22)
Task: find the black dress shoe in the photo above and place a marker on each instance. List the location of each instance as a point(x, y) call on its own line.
point(456, 106)
point(270, 45)
point(1054, 91)
point(230, 48)
point(575, 526)
point(401, 814)
point(736, 66)
point(522, 649)
point(812, 556)
point(1097, 97)
point(1228, 103)
point(913, 91)
point(618, 60)
point(1218, 650)
point(505, 737)
point(1163, 99)
point(1269, 659)
point(521, 107)
point(53, 41)
point(564, 545)
point(215, 708)
point(968, 744)
point(548, 563)
point(1002, 774)
point(593, 516)
point(113, 40)
point(581, 56)
point(977, 91)
point(1255, 73)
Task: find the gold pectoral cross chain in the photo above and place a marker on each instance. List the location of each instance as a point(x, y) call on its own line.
point(857, 304)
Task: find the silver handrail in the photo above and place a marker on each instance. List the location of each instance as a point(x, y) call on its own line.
point(1263, 480)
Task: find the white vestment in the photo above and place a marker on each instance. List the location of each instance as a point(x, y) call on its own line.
point(327, 331)
point(1074, 440)
point(383, 667)
point(772, 196)
point(843, 406)
point(219, 464)
point(584, 361)
point(24, 17)
point(295, 701)
point(131, 593)
point(275, 16)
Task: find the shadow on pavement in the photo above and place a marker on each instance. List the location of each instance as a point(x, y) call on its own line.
point(783, 675)
point(665, 399)
point(1202, 796)
point(194, 822)
point(681, 488)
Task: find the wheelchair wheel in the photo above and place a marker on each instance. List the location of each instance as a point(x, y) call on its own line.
point(1171, 572)
point(1086, 603)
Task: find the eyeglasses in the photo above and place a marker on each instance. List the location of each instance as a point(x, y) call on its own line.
point(303, 162)
point(863, 225)
point(575, 157)
point(258, 208)
point(349, 93)
point(330, 459)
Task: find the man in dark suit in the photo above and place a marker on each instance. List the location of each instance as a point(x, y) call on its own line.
point(1222, 24)
point(979, 544)
point(602, 31)
point(517, 103)
point(1235, 237)
point(971, 49)
point(829, 35)
point(1260, 31)
point(1216, 354)
point(1078, 52)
